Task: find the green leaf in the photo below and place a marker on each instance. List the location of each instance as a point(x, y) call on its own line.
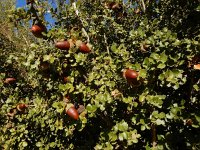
point(162, 115)
point(161, 66)
point(196, 87)
point(142, 98)
point(114, 47)
point(59, 106)
point(123, 126)
point(133, 120)
point(197, 118)
point(112, 136)
point(161, 77)
point(124, 135)
point(24, 144)
point(143, 73)
point(160, 122)
point(52, 144)
point(108, 146)
point(91, 108)
point(47, 57)
point(133, 136)
point(155, 56)
point(127, 99)
point(39, 144)
point(163, 57)
point(121, 137)
point(146, 62)
point(156, 100)
point(143, 127)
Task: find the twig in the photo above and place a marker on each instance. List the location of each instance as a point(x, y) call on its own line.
point(143, 5)
point(85, 33)
point(153, 131)
point(83, 29)
point(107, 47)
point(25, 40)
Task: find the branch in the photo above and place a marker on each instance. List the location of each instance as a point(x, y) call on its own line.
point(107, 47)
point(83, 29)
point(25, 40)
point(153, 132)
point(143, 5)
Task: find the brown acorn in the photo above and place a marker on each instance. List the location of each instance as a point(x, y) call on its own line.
point(63, 45)
point(130, 74)
point(9, 80)
point(72, 112)
point(84, 48)
point(38, 29)
point(21, 106)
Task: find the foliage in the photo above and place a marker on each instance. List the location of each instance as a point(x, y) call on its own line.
point(19, 35)
point(161, 112)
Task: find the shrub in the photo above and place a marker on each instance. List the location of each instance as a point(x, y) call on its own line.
point(157, 110)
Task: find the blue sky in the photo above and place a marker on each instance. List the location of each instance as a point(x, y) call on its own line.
point(22, 3)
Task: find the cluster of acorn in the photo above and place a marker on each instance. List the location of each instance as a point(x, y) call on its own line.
point(62, 45)
point(69, 109)
point(129, 74)
point(38, 29)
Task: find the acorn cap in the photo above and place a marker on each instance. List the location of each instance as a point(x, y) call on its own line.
point(124, 73)
point(69, 105)
point(89, 46)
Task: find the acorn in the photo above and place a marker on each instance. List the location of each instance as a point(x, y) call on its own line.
point(84, 48)
point(71, 111)
point(63, 45)
point(130, 74)
point(9, 80)
point(38, 29)
point(21, 106)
